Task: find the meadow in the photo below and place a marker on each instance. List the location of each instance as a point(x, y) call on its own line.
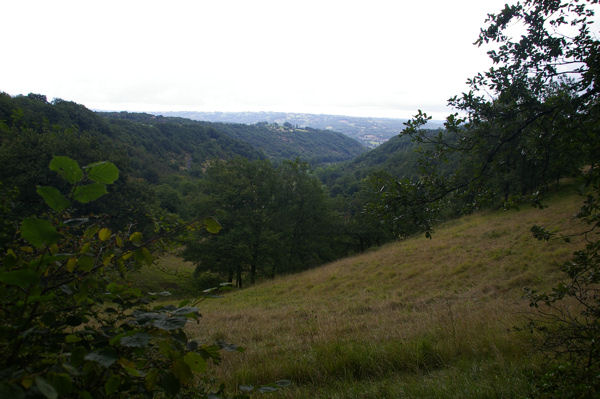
point(442, 317)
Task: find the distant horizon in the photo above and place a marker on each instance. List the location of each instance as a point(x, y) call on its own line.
point(332, 112)
point(381, 59)
point(257, 112)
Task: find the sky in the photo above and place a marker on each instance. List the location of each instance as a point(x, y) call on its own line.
point(373, 58)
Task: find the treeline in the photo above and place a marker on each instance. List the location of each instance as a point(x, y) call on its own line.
point(281, 142)
point(275, 220)
point(277, 216)
point(32, 130)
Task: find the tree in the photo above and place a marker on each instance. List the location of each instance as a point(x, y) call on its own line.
point(532, 118)
point(275, 220)
point(70, 326)
point(304, 217)
point(242, 195)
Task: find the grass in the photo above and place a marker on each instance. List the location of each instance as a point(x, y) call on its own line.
point(412, 319)
point(170, 273)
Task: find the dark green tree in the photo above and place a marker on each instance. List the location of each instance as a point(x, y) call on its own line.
point(242, 195)
point(305, 219)
point(71, 324)
point(275, 220)
point(531, 119)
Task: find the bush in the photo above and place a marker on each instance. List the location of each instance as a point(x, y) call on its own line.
point(71, 324)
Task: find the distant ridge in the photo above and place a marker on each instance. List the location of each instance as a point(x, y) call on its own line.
point(371, 132)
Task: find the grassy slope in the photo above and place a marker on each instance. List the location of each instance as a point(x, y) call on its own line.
point(170, 273)
point(419, 318)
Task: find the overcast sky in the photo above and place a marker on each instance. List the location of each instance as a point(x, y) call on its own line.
point(362, 58)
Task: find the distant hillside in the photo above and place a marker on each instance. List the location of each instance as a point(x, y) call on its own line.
point(274, 141)
point(144, 147)
point(179, 144)
point(147, 141)
point(281, 142)
point(395, 156)
point(371, 132)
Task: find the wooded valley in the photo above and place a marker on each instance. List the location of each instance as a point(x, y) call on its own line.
point(453, 262)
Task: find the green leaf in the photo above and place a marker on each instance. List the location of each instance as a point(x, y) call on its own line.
point(62, 383)
point(171, 323)
point(70, 265)
point(182, 371)
point(170, 383)
point(67, 168)
point(143, 256)
point(112, 384)
point(103, 172)
point(211, 352)
point(21, 278)
point(72, 338)
point(212, 225)
point(70, 369)
point(151, 379)
point(90, 231)
point(85, 263)
point(104, 234)
point(105, 358)
point(89, 192)
point(129, 367)
point(139, 340)
point(195, 361)
point(143, 318)
point(136, 238)
point(39, 232)
point(45, 388)
point(53, 198)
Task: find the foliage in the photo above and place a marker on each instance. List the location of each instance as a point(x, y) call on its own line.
point(528, 121)
point(572, 335)
point(72, 327)
point(402, 206)
point(145, 148)
point(287, 142)
point(396, 156)
point(275, 220)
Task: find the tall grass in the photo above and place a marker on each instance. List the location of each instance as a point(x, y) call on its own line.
point(418, 318)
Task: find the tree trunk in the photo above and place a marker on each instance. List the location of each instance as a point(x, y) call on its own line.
point(238, 279)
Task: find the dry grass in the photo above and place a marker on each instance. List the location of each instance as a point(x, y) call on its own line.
point(170, 273)
point(415, 309)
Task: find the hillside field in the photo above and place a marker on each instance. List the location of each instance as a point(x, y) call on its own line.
point(412, 319)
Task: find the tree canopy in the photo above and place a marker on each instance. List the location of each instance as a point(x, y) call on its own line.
point(528, 121)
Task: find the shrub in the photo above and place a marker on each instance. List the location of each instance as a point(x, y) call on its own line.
point(71, 324)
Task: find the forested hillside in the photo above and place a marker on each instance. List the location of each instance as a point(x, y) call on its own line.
point(32, 130)
point(371, 132)
point(90, 200)
point(275, 141)
point(285, 141)
point(396, 156)
point(149, 145)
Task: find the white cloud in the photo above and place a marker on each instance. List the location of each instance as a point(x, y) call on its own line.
point(384, 58)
